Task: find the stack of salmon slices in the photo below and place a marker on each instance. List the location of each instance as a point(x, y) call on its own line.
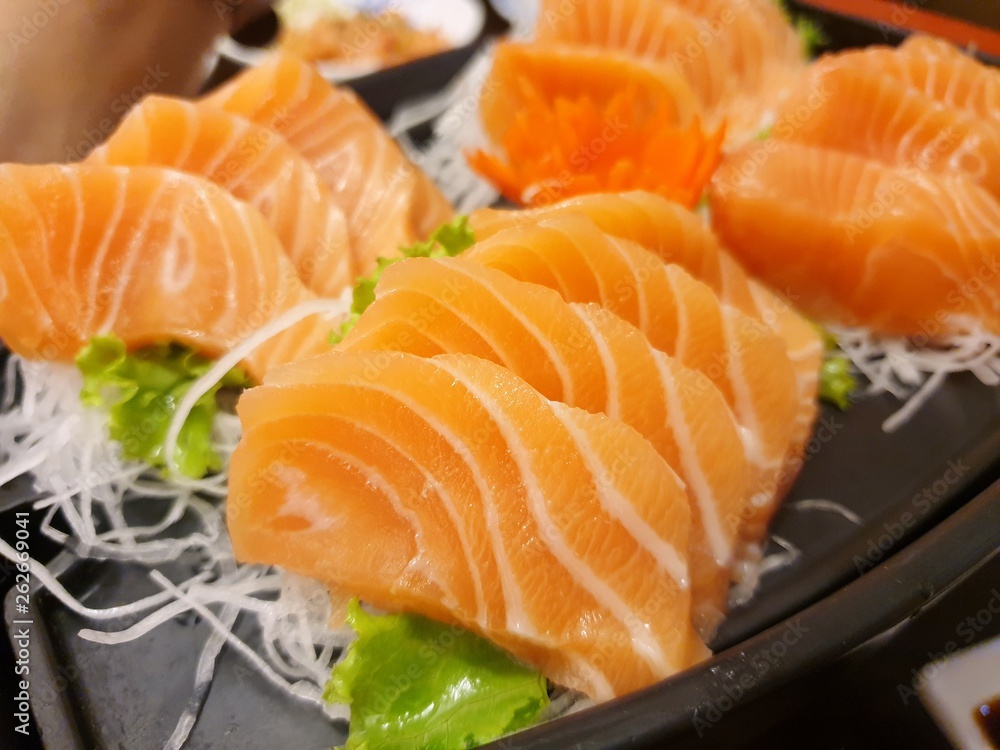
point(198, 222)
point(615, 95)
point(876, 200)
point(561, 439)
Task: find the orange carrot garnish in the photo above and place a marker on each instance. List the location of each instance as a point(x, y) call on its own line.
point(553, 150)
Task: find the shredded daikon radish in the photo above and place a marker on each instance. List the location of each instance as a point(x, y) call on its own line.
point(204, 674)
point(913, 371)
point(751, 567)
point(827, 506)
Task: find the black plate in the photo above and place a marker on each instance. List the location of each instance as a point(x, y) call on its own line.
point(900, 484)
point(909, 489)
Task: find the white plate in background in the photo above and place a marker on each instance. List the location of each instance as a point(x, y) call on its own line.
point(954, 687)
point(459, 22)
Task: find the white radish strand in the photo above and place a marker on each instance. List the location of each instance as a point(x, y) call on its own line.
point(204, 674)
point(827, 506)
point(304, 691)
point(339, 307)
point(43, 576)
point(750, 568)
point(914, 373)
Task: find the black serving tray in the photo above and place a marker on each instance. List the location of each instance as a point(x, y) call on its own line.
point(902, 485)
point(385, 89)
point(930, 512)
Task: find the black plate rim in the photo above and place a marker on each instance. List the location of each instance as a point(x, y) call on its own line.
point(695, 700)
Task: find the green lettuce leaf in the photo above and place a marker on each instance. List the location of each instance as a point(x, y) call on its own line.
point(415, 683)
point(812, 36)
point(448, 240)
point(141, 391)
point(836, 379)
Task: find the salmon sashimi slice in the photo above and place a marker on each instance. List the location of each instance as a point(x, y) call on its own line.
point(388, 201)
point(587, 121)
point(865, 112)
point(557, 71)
point(765, 18)
point(661, 226)
point(681, 316)
point(942, 71)
point(253, 163)
point(641, 29)
point(145, 253)
point(861, 243)
point(449, 487)
point(680, 236)
point(585, 357)
point(738, 70)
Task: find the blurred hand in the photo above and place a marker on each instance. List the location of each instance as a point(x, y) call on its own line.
point(70, 70)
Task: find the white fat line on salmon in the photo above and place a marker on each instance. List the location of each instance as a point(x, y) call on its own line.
point(19, 260)
point(516, 617)
point(94, 292)
point(635, 30)
point(611, 376)
point(375, 478)
point(560, 272)
point(638, 277)
point(720, 543)
point(740, 384)
point(971, 212)
point(299, 250)
point(620, 508)
point(291, 112)
point(300, 504)
point(309, 132)
point(192, 126)
point(337, 307)
point(76, 187)
point(226, 238)
point(643, 642)
point(553, 354)
point(178, 265)
point(224, 156)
